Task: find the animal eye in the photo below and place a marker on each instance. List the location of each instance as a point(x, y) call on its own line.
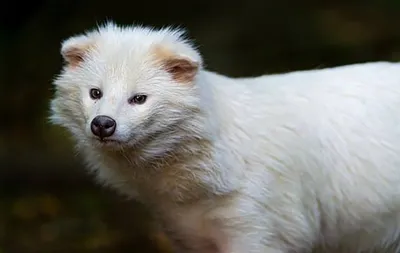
point(138, 99)
point(95, 93)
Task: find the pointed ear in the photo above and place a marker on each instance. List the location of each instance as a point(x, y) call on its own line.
point(182, 67)
point(74, 49)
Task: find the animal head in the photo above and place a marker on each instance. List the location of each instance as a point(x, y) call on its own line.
point(121, 86)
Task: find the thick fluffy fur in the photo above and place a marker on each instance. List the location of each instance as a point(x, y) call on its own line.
point(276, 164)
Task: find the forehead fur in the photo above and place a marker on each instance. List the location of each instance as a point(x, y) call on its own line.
point(115, 41)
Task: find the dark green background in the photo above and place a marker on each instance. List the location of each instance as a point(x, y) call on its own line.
point(47, 201)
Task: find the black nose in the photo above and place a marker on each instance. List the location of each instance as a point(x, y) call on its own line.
point(103, 126)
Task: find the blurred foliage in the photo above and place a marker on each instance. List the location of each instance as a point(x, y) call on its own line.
point(47, 201)
point(74, 221)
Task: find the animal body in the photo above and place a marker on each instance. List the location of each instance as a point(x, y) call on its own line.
point(278, 163)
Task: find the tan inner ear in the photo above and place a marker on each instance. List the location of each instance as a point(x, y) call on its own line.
point(74, 56)
point(182, 69)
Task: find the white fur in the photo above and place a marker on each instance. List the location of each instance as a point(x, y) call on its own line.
point(277, 163)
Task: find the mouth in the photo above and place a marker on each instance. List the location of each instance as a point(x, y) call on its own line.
point(108, 142)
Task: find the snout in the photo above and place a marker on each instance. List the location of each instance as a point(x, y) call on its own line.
point(103, 126)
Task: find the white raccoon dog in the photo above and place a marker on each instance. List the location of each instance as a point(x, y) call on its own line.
point(278, 163)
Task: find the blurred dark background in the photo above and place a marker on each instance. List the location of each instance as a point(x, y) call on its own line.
point(47, 201)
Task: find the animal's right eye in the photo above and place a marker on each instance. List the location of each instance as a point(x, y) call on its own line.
point(95, 93)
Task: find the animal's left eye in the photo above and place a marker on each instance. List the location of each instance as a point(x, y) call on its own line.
point(138, 99)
